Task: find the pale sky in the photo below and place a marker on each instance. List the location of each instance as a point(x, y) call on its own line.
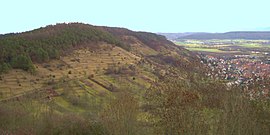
point(139, 15)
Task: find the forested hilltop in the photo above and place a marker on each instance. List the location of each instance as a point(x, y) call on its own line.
point(20, 50)
point(43, 44)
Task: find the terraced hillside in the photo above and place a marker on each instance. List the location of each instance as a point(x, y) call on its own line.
point(83, 52)
point(78, 65)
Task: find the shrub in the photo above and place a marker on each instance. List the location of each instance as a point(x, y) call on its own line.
point(23, 62)
point(124, 69)
point(4, 68)
point(53, 54)
point(120, 115)
point(39, 55)
point(204, 107)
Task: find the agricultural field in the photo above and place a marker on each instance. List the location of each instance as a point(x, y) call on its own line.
point(226, 46)
point(201, 49)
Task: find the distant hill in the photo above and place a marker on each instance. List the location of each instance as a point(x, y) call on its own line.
point(252, 35)
point(174, 36)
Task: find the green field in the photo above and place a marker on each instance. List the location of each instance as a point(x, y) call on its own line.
point(189, 45)
point(205, 50)
point(224, 46)
point(253, 45)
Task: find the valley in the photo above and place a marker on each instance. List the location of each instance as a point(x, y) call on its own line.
point(240, 62)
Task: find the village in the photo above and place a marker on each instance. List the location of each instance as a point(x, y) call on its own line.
point(250, 72)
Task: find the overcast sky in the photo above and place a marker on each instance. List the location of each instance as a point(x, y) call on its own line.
point(139, 15)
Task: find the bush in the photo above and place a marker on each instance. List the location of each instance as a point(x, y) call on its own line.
point(23, 118)
point(204, 107)
point(4, 68)
point(23, 62)
point(120, 115)
point(39, 55)
point(124, 69)
point(53, 54)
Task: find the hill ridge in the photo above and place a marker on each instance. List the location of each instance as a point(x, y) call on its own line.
point(251, 35)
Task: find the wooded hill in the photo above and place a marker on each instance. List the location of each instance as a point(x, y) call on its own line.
point(20, 50)
point(41, 45)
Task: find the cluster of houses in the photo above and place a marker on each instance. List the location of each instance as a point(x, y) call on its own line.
point(245, 70)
